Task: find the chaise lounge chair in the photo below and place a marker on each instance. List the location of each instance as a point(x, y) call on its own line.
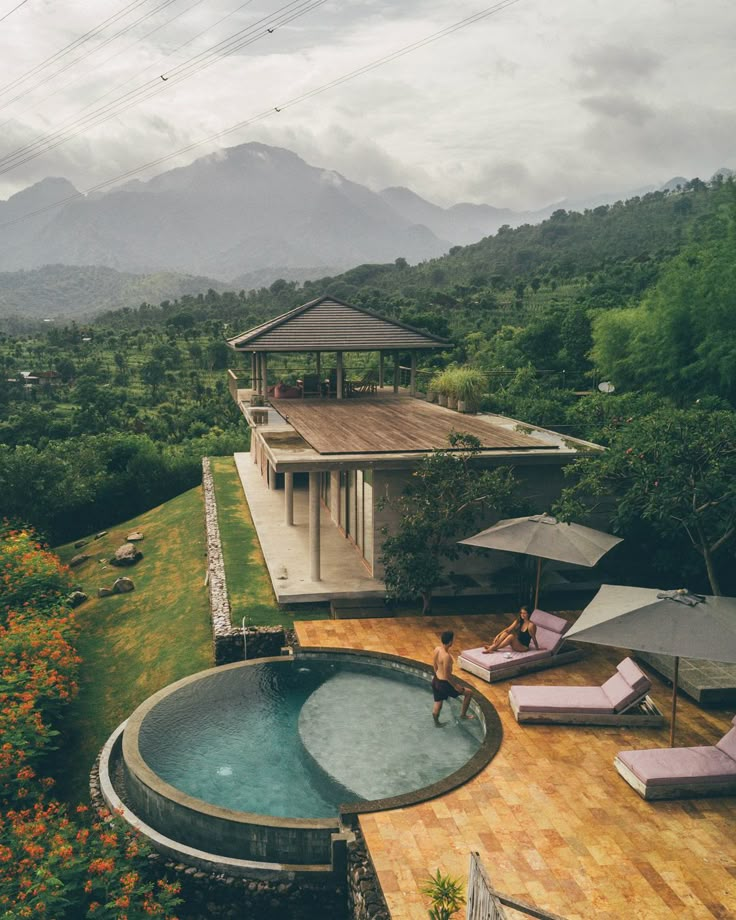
point(622, 700)
point(494, 666)
point(674, 773)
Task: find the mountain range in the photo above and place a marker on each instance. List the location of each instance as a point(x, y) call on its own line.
point(248, 214)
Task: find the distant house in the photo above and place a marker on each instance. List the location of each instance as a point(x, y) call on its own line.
point(49, 378)
point(335, 449)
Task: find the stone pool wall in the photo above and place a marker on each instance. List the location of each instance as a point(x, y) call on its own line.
point(261, 641)
point(365, 898)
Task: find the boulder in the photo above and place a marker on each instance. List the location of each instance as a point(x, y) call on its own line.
point(104, 592)
point(76, 598)
point(102, 533)
point(78, 560)
point(79, 544)
point(134, 537)
point(127, 554)
point(123, 585)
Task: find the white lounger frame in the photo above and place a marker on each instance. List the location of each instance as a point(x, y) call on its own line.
point(642, 713)
point(674, 790)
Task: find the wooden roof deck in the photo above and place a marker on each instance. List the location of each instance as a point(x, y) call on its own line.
point(399, 425)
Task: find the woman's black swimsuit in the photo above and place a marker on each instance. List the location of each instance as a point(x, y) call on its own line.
point(524, 637)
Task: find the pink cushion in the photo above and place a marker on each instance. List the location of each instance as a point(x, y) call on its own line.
point(633, 675)
point(560, 699)
point(503, 659)
point(665, 766)
point(550, 621)
point(727, 744)
point(619, 692)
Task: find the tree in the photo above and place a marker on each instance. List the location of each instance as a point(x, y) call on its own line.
point(439, 506)
point(153, 373)
point(674, 468)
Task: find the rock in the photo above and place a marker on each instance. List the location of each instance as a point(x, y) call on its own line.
point(127, 554)
point(79, 544)
point(104, 592)
point(102, 533)
point(123, 586)
point(78, 560)
point(134, 537)
point(76, 598)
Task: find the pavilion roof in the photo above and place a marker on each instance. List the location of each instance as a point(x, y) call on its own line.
point(328, 324)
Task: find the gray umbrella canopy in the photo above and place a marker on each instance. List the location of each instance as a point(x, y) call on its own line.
point(694, 626)
point(545, 537)
point(638, 619)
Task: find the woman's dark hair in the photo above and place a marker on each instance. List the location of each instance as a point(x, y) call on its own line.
point(447, 636)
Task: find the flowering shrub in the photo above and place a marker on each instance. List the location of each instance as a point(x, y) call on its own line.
point(29, 574)
point(38, 669)
point(51, 864)
point(57, 867)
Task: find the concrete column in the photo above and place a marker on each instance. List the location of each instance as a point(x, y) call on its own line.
point(314, 547)
point(289, 498)
point(413, 383)
point(340, 375)
point(335, 496)
point(380, 369)
point(396, 372)
point(265, 374)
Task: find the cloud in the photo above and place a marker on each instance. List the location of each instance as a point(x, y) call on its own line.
point(611, 65)
point(620, 108)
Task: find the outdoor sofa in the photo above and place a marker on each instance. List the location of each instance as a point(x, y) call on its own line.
point(494, 666)
point(674, 773)
point(621, 700)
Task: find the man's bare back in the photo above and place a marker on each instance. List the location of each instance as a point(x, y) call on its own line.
point(443, 662)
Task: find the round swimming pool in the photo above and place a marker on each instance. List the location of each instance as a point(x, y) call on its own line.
point(259, 760)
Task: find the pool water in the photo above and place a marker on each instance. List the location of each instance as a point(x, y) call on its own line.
point(297, 740)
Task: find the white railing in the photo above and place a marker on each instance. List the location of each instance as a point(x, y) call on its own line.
point(485, 903)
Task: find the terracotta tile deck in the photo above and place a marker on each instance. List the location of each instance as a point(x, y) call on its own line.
point(554, 823)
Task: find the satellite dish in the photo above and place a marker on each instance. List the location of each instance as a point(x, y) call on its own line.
point(606, 386)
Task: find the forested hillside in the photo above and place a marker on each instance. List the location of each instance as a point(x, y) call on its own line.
point(641, 293)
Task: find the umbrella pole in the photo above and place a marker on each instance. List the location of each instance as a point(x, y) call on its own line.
point(674, 701)
point(539, 575)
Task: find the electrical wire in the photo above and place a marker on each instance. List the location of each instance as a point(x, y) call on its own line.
point(10, 12)
point(290, 103)
point(224, 48)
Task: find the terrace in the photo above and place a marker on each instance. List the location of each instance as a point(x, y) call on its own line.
point(553, 822)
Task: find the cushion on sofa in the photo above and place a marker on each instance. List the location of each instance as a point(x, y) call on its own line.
point(550, 621)
point(665, 766)
point(560, 699)
point(633, 675)
point(619, 692)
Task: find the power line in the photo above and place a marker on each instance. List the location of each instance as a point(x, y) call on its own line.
point(290, 103)
point(10, 12)
point(178, 74)
point(75, 44)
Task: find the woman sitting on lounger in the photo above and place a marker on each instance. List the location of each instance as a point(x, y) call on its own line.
point(518, 636)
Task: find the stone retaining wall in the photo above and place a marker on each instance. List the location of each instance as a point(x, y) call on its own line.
point(261, 641)
point(365, 898)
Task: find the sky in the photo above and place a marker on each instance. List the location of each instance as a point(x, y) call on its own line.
point(539, 102)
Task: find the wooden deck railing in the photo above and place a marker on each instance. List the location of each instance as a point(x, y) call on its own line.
point(485, 903)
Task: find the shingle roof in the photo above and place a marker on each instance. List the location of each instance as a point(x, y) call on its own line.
point(327, 324)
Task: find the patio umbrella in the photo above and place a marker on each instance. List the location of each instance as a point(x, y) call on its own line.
point(545, 537)
point(674, 623)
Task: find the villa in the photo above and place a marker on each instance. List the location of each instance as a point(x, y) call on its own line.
point(329, 454)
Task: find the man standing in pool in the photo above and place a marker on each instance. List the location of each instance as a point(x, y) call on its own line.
point(443, 686)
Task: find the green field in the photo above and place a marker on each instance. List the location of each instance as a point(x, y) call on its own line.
point(134, 644)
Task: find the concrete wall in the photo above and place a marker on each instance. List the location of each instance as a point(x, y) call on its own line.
point(538, 486)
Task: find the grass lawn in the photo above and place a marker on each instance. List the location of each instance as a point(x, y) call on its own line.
point(134, 644)
point(248, 583)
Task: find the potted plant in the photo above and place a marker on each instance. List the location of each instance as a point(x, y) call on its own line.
point(470, 385)
point(438, 385)
point(451, 387)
